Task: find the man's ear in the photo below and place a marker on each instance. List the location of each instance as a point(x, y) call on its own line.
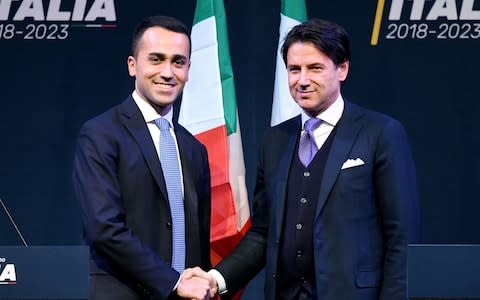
point(343, 70)
point(131, 63)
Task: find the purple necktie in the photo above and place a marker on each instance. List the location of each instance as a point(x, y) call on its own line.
point(307, 147)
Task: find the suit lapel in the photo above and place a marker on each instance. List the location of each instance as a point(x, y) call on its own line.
point(289, 139)
point(346, 133)
point(135, 124)
point(193, 257)
point(190, 194)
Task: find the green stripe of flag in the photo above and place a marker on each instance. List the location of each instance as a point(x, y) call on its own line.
point(226, 72)
point(294, 9)
point(204, 10)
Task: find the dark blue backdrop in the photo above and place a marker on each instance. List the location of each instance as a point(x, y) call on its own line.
point(425, 78)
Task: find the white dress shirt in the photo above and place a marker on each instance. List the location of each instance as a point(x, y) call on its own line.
point(329, 117)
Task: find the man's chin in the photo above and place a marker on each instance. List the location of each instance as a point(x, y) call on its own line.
point(310, 108)
point(306, 104)
point(163, 100)
point(161, 105)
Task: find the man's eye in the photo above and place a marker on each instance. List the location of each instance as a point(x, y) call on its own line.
point(179, 62)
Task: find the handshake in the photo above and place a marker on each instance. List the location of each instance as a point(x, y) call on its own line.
point(197, 284)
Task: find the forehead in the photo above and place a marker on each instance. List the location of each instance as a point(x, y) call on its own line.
point(161, 40)
point(305, 52)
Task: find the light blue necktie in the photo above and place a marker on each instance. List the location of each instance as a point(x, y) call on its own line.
point(173, 181)
point(307, 147)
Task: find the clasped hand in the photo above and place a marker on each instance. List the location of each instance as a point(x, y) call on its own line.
point(197, 284)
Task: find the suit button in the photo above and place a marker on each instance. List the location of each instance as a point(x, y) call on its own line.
point(303, 200)
point(299, 226)
point(299, 253)
point(306, 174)
point(274, 275)
point(169, 224)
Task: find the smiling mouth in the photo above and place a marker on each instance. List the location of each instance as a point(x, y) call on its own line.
point(164, 85)
point(304, 91)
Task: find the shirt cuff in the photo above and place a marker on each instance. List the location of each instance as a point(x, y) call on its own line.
point(222, 285)
point(178, 282)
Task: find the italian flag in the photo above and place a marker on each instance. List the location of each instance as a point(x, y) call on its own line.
point(293, 12)
point(209, 111)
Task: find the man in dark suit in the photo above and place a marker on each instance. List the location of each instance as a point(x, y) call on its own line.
point(336, 198)
point(121, 183)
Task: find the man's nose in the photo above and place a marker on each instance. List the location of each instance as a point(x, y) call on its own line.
point(166, 71)
point(304, 79)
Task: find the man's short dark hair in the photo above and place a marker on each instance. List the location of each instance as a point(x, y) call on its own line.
point(166, 22)
point(328, 37)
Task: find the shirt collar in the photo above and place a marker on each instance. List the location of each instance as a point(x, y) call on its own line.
point(148, 112)
point(331, 115)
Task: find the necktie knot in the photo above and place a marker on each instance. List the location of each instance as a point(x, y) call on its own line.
point(311, 124)
point(162, 124)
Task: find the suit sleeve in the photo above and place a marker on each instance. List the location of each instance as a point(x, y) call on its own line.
point(204, 211)
point(397, 197)
point(97, 189)
point(248, 258)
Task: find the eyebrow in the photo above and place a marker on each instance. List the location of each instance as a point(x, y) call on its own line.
point(163, 56)
point(179, 56)
point(316, 64)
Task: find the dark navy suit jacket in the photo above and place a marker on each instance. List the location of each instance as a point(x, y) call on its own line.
point(119, 184)
point(365, 215)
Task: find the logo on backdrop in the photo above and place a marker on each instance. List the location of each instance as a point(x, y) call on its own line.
point(427, 19)
point(7, 272)
point(53, 19)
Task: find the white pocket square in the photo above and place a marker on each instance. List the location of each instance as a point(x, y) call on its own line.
point(349, 163)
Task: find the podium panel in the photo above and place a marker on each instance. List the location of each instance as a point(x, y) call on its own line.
point(443, 271)
point(44, 272)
